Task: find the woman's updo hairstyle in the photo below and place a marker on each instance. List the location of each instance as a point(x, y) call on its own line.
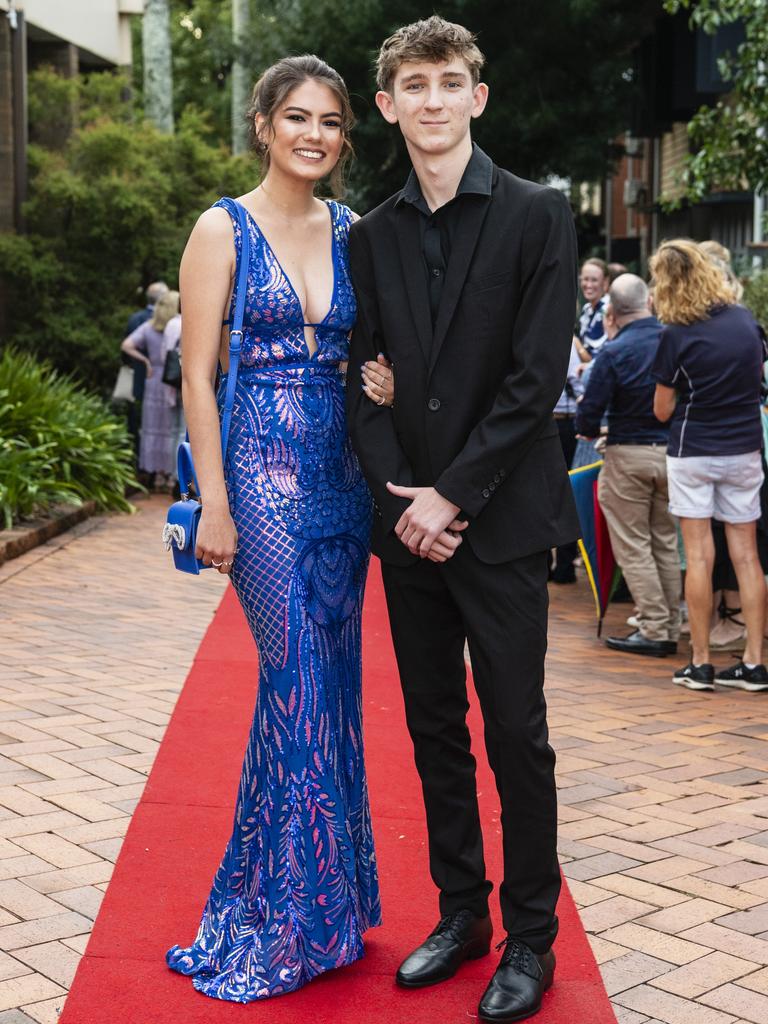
point(272, 90)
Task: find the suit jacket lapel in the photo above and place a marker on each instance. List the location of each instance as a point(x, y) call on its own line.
point(412, 262)
point(473, 214)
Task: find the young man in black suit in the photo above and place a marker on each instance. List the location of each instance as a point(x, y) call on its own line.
point(466, 281)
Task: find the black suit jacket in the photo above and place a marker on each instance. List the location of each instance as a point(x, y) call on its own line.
point(473, 398)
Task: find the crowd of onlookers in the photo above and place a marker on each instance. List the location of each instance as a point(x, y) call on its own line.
point(666, 384)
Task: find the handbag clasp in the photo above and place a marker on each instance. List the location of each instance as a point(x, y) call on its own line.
point(174, 533)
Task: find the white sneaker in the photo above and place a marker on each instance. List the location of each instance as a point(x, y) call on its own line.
point(633, 621)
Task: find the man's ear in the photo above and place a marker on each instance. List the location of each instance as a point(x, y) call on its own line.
point(479, 99)
point(386, 106)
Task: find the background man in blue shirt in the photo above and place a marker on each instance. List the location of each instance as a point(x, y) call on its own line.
point(632, 488)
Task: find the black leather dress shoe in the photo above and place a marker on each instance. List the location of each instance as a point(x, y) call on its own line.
point(560, 574)
point(520, 981)
point(636, 643)
point(458, 937)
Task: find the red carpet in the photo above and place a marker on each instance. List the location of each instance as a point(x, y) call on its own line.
point(179, 830)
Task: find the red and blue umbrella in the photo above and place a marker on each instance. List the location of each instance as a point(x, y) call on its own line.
point(595, 542)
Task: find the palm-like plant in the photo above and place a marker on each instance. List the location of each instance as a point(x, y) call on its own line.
point(57, 442)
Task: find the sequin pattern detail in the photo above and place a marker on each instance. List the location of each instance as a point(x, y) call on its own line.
point(297, 885)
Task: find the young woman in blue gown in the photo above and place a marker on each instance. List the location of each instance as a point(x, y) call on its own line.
point(288, 514)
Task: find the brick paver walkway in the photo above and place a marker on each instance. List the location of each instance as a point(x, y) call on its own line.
point(97, 635)
point(663, 792)
point(664, 826)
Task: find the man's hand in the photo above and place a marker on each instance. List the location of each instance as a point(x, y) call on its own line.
point(446, 544)
point(425, 520)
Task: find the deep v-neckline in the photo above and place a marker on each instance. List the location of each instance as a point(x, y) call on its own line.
point(288, 281)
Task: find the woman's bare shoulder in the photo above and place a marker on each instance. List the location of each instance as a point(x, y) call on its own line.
point(213, 225)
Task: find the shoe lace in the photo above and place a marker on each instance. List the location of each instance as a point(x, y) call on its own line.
point(452, 925)
point(516, 954)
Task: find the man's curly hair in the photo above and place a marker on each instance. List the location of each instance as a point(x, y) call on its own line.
point(434, 41)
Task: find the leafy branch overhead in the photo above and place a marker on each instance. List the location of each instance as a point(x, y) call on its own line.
point(560, 74)
point(728, 140)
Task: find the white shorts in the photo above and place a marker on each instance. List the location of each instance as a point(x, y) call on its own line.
point(724, 487)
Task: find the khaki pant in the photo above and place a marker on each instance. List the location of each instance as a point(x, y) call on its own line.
point(632, 489)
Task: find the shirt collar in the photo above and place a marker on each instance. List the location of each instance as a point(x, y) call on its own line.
point(645, 321)
point(476, 180)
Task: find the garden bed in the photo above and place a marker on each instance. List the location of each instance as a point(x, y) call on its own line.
point(33, 532)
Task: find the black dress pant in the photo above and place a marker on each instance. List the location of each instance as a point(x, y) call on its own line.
point(502, 612)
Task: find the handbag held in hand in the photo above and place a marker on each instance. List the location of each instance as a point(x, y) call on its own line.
point(123, 389)
point(180, 530)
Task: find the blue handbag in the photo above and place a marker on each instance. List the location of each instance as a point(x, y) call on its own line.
point(180, 530)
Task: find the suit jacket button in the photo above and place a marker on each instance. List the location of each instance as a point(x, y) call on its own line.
point(486, 493)
point(433, 404)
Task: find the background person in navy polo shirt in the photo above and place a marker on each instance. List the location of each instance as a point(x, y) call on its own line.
point(632, 487)
point(709, 372)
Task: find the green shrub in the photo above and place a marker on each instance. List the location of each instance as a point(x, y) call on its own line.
point(110, 209)
point(57, 442)
point(756, 297)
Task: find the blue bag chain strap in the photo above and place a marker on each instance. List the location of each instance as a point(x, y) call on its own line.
point(236, 334)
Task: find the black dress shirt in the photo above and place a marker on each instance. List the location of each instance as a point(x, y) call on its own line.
point(438, 228)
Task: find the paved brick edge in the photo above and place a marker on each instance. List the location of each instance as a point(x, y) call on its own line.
point(21, 539)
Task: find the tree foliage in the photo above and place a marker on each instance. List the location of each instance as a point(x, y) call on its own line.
point(203, 54)
point(560, 74)
point(112, 200)
point(756, 296)
point(730, 149)
point(110, 210)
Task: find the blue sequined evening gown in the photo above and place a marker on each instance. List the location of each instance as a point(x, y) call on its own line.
point(297, 886)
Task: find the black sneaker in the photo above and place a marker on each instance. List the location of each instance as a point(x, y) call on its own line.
point(743, 678)
point(695, 677)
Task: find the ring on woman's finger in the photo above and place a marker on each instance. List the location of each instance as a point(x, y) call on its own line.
point(382, 401)
point(227, 564)
point(216, 565)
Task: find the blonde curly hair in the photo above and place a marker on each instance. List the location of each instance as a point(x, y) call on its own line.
point(686, 284)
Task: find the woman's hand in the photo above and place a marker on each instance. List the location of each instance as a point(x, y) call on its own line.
point(379, 381)
point(446, 544)
point(216, 539)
